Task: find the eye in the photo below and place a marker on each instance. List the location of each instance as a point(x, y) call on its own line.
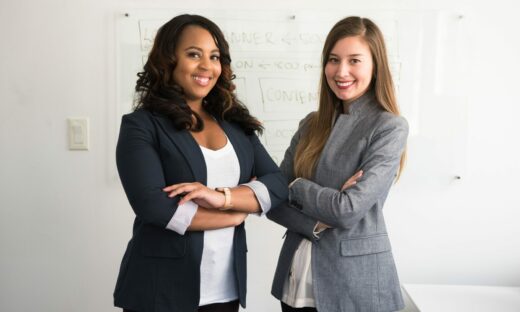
point(354, 61)
point(193, 54)
point(333, 60)
point(215, 57)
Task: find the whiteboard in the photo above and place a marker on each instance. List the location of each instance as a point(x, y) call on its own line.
point(276, 60)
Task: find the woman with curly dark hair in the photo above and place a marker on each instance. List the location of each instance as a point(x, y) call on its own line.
point(192, 168)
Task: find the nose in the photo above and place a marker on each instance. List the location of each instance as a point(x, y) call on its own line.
point(204, 63)
point(343, 70)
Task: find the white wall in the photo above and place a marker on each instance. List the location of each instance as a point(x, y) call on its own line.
point(64, 220)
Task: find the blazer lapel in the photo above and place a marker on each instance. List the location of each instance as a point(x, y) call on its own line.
point(187, 146)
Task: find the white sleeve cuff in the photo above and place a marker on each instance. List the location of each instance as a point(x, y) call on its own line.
point(262, 195)
point(318, 228)
point(182, 217)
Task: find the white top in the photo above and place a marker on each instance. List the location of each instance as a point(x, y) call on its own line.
point(297, 289)
point(217, 277)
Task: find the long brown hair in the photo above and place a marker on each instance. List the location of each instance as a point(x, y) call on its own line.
point(157, 91)
point(320, 124)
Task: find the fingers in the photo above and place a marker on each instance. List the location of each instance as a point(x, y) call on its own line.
point(181, 188)
point(206, 197)
point(190, 196)
point(356, 176)
point(175, 186)
point(352, 180)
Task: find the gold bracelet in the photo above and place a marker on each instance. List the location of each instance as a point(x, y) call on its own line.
point(227, 194)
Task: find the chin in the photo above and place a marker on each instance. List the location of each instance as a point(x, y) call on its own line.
point(345, 98)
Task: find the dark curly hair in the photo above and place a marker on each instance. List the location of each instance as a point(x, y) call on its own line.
point(157, 91)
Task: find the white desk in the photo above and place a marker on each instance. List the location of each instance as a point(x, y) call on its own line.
point(462, 298)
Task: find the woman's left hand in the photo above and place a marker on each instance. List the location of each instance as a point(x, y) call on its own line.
point(198, 193)
point(352, 180)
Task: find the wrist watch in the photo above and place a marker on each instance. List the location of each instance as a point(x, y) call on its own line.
point(227, 194)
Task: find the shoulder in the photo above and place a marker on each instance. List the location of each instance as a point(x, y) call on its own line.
point(139, 115)
point(380, 120)
point(305, 121)
point(389, 120)
point(390, 128)
point(139, 122)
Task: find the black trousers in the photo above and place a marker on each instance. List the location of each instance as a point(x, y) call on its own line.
point(287, 308)
point(220, 307)
point(215, 307)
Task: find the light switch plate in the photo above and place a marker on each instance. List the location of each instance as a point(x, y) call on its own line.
point(78, 133)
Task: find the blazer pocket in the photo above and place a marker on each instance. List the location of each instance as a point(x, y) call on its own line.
point(162, 243)
point(365, 245)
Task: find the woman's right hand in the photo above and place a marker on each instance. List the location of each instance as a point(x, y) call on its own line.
point(199, 193)
point(352, 180)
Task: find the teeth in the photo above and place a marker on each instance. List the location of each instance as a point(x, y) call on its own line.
point(201, 80)
point(344, 84)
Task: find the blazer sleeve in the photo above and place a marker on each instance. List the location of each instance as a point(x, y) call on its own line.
point(343, 209)
point(268, 173)
point(286, 215)
point(140, 170)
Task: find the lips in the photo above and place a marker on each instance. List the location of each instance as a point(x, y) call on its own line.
point(201, 80)
point(344, 84)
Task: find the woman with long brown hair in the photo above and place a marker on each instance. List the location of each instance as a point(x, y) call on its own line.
point(337, 254)
point(186, 158)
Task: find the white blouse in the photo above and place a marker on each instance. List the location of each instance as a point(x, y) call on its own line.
point(297, 289)
point(217, 277)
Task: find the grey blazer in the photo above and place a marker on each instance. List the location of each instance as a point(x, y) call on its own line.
point(352, 264)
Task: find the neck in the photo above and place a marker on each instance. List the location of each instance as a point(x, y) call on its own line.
point(346, 105)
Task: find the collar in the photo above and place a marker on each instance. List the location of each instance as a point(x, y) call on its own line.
point(358, 105)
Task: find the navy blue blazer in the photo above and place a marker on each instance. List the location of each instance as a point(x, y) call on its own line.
point(160, 270)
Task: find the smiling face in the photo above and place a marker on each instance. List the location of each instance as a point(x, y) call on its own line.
point(349, 68)
point(198, 63)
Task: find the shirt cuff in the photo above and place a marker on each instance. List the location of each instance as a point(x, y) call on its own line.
point(294, 181)
point(182, 217)
point(318, 228)
point(262, 195)
point(292, 196)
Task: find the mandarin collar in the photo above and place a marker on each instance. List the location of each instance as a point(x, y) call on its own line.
point(358, 105)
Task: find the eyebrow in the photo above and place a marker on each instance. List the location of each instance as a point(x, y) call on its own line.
point(350, 55)
point(199, 49)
